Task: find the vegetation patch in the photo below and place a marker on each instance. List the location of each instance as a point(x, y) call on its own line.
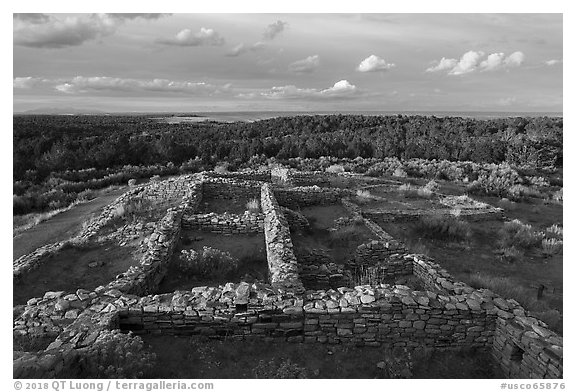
point(443, 227)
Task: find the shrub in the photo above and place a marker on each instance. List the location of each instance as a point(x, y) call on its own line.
point(443, 228)
point(432, 186)
point(557, 196)
point(519, 235)
point(132, 182)
point(399, 172)
point(279, 369)
point(335, 169)
point(222, 167)
point(253, 206)
point(551, 246)
point(555, 231)
point(510, 254)
point(155, 178)
point(211, 263)
point(116, 355)
point(363, 196)
point(411, 191)
point(346, 235)
point(520, 192)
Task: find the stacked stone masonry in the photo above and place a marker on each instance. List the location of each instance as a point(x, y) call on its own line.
point(446, 314)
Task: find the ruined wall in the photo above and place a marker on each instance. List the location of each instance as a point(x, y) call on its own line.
point(249, 175)
point(228, 188)
point(247, 223)
point(318, 271)
point(374, 316)
point(282, 264)
point(309, 196)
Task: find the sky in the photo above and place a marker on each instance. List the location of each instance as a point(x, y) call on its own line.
point(284, 62)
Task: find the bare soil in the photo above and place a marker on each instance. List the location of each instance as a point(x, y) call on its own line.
point(250, 249)
point(70, 269)
point(193, 357)
point(62, 226)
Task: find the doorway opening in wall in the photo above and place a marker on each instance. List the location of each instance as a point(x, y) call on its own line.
point(517, 354)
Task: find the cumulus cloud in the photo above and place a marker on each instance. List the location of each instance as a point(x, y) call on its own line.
point(204, 37)
point(52, 32)
point(468, 63)
point(307, 65)
point(374, 63)
point(81, 84)
point(552, 62)
point(443, 64)
point(339, 90)
point(26, 82)
point(473, 61)
point(48, 31)
point(492, 62)
point(241, 49)
point(272, 30)
point(515, 59)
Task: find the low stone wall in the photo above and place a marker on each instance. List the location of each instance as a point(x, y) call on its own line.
point(309, 196)
point(318, 271)
point(228, 188)
point(392, 316)
point(249, 175)
point(247, 223)
point(296, 220)
point(282, 264)
point(393, 215)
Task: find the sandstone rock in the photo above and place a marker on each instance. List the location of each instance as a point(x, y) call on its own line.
point(366, 299)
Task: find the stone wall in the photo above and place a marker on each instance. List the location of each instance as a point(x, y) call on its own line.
point(282, 264)
point(248, 175)
point(309, 196)
point(227, 223)
point(318, 270)
point(228, 188)
point(391, 316)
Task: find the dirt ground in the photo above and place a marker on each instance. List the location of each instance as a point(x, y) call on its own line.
point(61, 226)
point(74, 268)
point(220, 206)
point(191, 357)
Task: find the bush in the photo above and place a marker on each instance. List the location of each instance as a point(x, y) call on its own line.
point(211, 263)
point(335, 169)
point(519, 235)
point(116, 355)
point(411, 191)
point(400, 173)
point(555, 231)
point(132, 182)
point(443, 228)
point(279, 369)
point(520, 192)
point(432, 186)
point(551, 246)
point(557, 196)
point(222, 167)
point(253, 206)
point(363, 196)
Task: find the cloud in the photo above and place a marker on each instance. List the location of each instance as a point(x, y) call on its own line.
point(506, 101)
point(204, 37)
point(31, 18)
point(127, 16)
point(552, 62)
point(52, 32)
point(471, 61)
point(82, 84)
point(241, 49)
point(468, 63)
point(492, 62)
point(307, 65)
point(443, 64)
point(374, 63)
point(515, 59)
point(26, 82)
point(272, 30)
point(341, 89)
